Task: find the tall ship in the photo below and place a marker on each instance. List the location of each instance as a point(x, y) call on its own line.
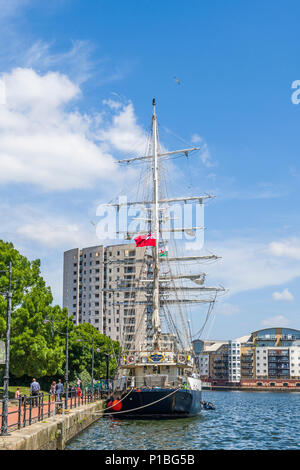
point(158, 375)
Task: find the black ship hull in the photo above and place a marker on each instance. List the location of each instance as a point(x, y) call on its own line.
point(158, 404)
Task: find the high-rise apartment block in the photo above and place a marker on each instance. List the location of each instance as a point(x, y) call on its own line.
point(103, 286)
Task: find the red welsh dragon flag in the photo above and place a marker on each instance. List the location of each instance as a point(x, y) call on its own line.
point(145, 240)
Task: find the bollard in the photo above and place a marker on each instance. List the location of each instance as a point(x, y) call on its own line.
point(19, 413)
point(24, 412)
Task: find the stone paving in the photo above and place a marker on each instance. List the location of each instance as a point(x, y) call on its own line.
point(52, 434)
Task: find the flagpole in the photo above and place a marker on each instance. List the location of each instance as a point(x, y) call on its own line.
point(155, 219)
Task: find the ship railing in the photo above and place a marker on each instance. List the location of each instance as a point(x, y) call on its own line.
point(161, 381)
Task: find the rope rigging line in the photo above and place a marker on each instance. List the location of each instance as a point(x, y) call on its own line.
point(209, 311)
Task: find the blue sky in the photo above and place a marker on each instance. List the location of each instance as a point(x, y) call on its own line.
point(79, 79)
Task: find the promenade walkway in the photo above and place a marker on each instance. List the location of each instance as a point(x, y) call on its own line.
point(24, 413)
point(16, 415)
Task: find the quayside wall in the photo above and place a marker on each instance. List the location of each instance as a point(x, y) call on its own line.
point(53, 434)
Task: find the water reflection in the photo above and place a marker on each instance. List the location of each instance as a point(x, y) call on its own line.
point(241, 421)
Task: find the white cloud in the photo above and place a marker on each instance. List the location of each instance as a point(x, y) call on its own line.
point(38, 226)
point(284, 295)
point(51, 233)
point(27, 91)
point(2, 93)
point(289, 248)
point(248, 265)
point(196, 139)
point(205, 154)
point(43, 142)
point(124, 134)
point(226, 308)
point(113, 104)
point(278, 320)
point(76, 62)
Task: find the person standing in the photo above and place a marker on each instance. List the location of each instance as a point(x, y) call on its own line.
point(59, 390)
point(18, 395)
point(53, 390)
point(34, 391)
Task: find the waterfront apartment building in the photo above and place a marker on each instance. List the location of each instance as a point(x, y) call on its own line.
point(99, 287)
point(269, 354)
point(234, 356)
point(277, 363)
point(272, 353)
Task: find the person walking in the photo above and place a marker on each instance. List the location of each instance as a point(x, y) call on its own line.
point(78, 391)
point(34, 391)
point(59, 390)
point(53, 390)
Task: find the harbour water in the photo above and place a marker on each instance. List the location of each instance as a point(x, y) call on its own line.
point(241, 421)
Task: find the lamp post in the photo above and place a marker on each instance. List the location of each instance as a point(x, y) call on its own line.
point(107, 367)
point(4, 431)
point(67, 362)
point(51, 320)
point(93, 356)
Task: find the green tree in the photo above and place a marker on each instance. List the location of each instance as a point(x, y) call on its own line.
point(32, 352)
point(81, 351)
point(37, 348)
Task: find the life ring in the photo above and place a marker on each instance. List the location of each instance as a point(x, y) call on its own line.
point(131, 359)
point(116, 405)
point(181, 358)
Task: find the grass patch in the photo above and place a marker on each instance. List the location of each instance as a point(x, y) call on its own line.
point(24, 390)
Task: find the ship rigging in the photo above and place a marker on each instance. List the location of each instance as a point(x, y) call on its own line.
point(157, 361)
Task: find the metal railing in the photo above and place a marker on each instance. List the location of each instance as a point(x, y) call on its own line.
point(25, 411)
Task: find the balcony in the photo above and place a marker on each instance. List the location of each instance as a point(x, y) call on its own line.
point(278, 353)
point(279, 363)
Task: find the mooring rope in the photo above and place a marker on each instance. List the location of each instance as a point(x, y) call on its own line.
point(119, 400)
point(140, 407)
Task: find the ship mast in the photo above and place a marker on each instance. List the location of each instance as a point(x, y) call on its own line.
point(161, 285)
point(155, 220)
